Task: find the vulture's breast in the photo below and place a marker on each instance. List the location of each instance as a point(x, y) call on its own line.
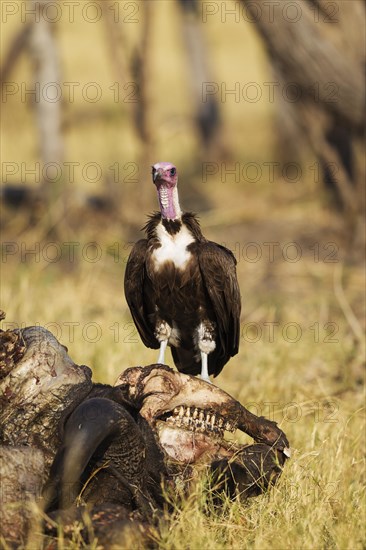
point(171, 248)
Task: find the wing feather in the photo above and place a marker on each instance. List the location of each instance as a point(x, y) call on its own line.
point(218, 270)
point(134, 291)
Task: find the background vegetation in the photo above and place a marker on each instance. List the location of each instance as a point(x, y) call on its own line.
point(301, 359)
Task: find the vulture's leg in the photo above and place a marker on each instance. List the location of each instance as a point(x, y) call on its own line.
point(206, 344)
point(204, 367)
point(162, 334)
point(163, 346)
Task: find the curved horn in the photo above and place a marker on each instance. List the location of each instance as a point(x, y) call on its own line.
point(93, 422)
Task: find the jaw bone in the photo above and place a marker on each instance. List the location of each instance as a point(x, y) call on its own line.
point(159, 391)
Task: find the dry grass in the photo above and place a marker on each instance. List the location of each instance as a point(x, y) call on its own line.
point(312, 387)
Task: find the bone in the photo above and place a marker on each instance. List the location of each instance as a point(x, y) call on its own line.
point(186, 420)
point(198, 420)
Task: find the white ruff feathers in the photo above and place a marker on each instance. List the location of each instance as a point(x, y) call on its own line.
point(173, 248)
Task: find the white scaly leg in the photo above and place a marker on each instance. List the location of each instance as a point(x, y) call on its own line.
point(161, 358)
point(162, 333)
point(204, 367)
point(206, 344)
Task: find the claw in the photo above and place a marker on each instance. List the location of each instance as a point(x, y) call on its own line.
point(287, 452)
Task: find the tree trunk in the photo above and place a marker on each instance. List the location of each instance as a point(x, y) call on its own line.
point(320, 54)
point(207, 113)
point(47, 77)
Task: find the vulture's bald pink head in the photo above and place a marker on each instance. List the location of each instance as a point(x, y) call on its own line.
point(165, 177)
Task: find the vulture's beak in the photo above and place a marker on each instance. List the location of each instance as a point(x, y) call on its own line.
point(156, 174)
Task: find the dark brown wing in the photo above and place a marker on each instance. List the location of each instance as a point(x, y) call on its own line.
point(134, 291)
point(218, 270)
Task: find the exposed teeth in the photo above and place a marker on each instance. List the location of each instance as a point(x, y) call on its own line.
point(199, 420)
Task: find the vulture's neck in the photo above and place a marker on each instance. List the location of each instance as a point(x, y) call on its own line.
point(169, 203)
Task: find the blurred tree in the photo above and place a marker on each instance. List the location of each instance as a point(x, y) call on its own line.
point(320, 57)
point(47, 77)
point(131, 68)
point(17, 46)
point(37, 38)
point(207, 113)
